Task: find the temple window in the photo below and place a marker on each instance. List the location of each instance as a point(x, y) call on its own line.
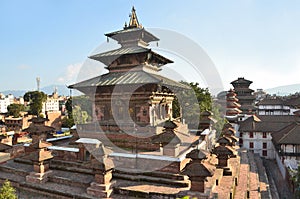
point(144, 112)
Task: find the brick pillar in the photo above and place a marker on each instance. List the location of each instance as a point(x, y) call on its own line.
point(197, 184)
point(40, 172)
point(222, 161)
point(171, 150)
point(101, 187)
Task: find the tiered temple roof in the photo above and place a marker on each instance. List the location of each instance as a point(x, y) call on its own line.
point(133, 62)
point(245, 95)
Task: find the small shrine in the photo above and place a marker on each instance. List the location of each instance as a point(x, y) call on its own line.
point(102, 168)
point(223, 151)
point(206, 120)
point(38, 152)
point(196, 171)
point(168, 140)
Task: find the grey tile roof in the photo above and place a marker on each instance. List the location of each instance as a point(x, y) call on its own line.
point(121, 51)
point(267, 124)
point(110, 56)
point(271, 101)
point(126, 78)
point(288, 135)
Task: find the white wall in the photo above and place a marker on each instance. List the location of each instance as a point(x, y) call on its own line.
point(258, 141)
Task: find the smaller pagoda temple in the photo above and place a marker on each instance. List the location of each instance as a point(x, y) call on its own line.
point(232, 106)
point(245, 95)
point(196, 170)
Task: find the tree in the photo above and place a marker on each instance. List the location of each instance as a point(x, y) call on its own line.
point(83, 102)
point(193, 102)
point(35, 99)
point(69, 107)
point(15, 109)
point(67, 122)
point(218, 116)
point(296, 181)
point(7, 191)
point(80, 116)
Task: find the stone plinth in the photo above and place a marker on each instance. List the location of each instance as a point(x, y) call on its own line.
point(197, 184)
point(171, 150)
point(101, 187)
point(38, 178)
point(40, 167)
point(222, 162)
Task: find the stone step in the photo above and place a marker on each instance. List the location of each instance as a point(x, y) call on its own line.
point(13, 170)
point(69, 166)
point(67, 181)
point(144, 178)
point(141, 194)
point(177, 177)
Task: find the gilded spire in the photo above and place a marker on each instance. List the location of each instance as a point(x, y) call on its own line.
point(133, 22)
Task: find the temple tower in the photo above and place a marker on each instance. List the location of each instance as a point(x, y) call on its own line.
point(132, 95)
point(245, 95)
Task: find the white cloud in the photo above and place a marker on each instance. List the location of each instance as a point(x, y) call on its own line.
point(70, 74)
point(23, 67)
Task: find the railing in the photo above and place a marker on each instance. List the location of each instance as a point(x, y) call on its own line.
point(289, 154)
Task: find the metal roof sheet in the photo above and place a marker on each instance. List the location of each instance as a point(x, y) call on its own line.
point(121, 51)
point(126, 78)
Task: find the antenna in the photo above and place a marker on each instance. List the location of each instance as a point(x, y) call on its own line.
point(38, 81)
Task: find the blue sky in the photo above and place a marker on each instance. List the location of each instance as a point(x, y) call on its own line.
point(50, 39)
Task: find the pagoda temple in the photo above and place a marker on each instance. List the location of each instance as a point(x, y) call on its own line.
point(245, 95)
point(232, 106)
point(132, 98)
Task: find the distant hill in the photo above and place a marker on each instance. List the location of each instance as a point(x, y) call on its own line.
point(61, 89)
point(284, 90)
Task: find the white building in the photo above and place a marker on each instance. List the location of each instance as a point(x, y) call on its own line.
point(274, 106)
point(51, 104)
point(5, 101)
point(256, 133)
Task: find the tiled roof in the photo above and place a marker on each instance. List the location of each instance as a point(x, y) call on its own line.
point(125, 78)
point(167, 137)
point(108, 57)
point(39, 129)
point(4, 147)
point(223, 140)
point(197, 154)
point(121, 51)
point(241, 80)
point(267, 124)
point(288, 135)
point(222, 150)
point(148, 37)
point(196, 169)
point(271, 101)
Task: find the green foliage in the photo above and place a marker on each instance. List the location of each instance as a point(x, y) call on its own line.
point(7, 191)
point(67, 122)
point(80, 116)
point(15, 109)
point(79, 110)
point(69, 107)
point(296, 180)
point(218, 116)
point(84, 103)
point(193, 102)
point(176, 108)
point(35, 99)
